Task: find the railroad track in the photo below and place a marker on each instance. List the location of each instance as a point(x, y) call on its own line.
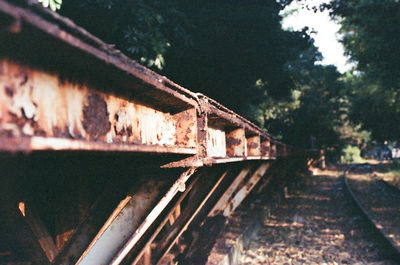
point(379, 202)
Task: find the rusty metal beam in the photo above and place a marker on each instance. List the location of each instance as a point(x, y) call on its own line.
point(254, 146)
point(179, 185)
point(91, 224)
point(235, 184)
point(38, 229)
point(183, 222)
point(146, 247)
point(272, 172)
point(246, 189)
point(236, 143)
point(273, 151)
point(121, 224)
point(224, 114)
point(37, 143)
point(82, 115)
point(43, 113)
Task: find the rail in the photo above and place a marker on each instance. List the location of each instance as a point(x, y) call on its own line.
point(388, 239)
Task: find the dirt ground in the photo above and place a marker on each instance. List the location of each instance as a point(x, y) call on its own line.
point(316, 224)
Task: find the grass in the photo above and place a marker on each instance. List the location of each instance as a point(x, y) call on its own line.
point(392, 176)
point(388, 171)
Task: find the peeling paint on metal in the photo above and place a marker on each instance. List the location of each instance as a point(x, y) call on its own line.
point(254, 146)
point(35, 103)
point(236, 143)
point(122, 223)
point(216, 142)
point(186, 128)
point(231, 142)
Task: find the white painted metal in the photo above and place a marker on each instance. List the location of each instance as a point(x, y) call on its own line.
point(151, 217)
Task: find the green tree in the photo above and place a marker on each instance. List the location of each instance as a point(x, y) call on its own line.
point(316, 109)
point(142, 29)
point(235, 43)
point(52, 4)
point(376, 108)
point(371, 37)
point(219, 48)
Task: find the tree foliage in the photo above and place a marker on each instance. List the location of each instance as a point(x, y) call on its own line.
point(142, 29)
point(52, 4)
point(316, 108)
point(371, 37)
point(235, 44)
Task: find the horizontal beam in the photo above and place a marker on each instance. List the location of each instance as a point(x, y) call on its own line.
point(38, 143)
point(116, 101)
point(41, 112)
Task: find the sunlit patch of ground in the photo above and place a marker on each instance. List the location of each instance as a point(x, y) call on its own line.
point(360, 177)
point(393, 177)
point(333, 172)
point(373, 169)
point(313, 197)
point(317, 226)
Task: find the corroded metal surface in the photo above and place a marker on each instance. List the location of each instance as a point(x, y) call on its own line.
point(40, 99)
point(121, 224)
point(179, 185)
point(34, 103)
point(233, 187)
point(66, 94)
point(245, 189)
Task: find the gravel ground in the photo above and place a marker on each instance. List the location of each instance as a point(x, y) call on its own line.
point(316, 224)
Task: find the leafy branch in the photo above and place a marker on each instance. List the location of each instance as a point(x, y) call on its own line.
point(52, 4)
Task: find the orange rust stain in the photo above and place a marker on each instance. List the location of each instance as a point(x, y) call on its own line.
point(186, 128)
point(253, 146)
point(36, 103)
point(21, 207)
point(61, 239)
point(235, 142)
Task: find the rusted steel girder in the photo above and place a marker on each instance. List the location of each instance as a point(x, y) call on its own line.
point(235, 184)
point(121, 224)
point(179, 185)
point(138, 253)
point(64, 91)
point(238, 190)
point(45, 107)
point(198, 199)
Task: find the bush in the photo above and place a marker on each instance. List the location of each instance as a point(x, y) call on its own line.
point(351, 154)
